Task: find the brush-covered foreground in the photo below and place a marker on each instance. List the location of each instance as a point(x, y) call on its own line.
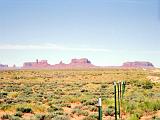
point(73, 94)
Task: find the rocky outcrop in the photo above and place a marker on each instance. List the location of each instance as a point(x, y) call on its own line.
point(3, 66)
point(75, 63)
point(37, 64)
point(138, 64)
point(83, 62)
point(80, 61)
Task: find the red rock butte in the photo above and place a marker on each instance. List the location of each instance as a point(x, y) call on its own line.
point(75, 63)
point(3, 66)
point(138, 64)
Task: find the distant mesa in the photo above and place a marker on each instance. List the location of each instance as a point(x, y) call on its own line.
point(75, 63)
point(138, 64)
point(83, 62)
point(80, 61)
point(37, 64)
point(3, 66)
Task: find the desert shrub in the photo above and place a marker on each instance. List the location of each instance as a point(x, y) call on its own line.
point(150, 105)
point(59, 101)
point(40, 117)
point(155, 118)
point(59, 92)
point(109, 111)
point(9, 117)
point(18, 113)
point(92, 108)
point(54, 108)
point(148, 85)
point(14, 117)
point(83, 101)
point(3, 95)
point(133, 117)
point(104, 86)
point(80, 112)
point(24, 109)
point(130, 106)
point(61, 117)
point(66, 105)
point(5, 107)
point(6, 116)
point(90, 102)
point(9, 100)
point(84, 90)
point(91, 117)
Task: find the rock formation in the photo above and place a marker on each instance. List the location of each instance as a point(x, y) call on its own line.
point(83, 62)
point(75, 63)
point(3, 66)
point(138, 64)
point(37, 64)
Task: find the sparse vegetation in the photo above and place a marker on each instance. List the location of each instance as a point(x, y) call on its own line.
point(73, 94)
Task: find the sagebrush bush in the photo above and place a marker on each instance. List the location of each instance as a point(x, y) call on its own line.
point(79, 112)
point(110, 111)
point(6, 116)
point(91, 117)
point(24, 109)
point(61, 117)
point(54, 108)
point(18, 113)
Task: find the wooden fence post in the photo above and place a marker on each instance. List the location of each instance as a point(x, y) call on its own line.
point(99, 109)
point(115, 97)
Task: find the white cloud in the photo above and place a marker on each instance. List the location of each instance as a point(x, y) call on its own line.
point(49, 47)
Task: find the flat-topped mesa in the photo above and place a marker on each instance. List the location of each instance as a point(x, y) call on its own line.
point(3, 66)
point(80, 61)
point(138, 64)
point(37, 64)
point(61, 65)
point(83, 62)
point(75, 63)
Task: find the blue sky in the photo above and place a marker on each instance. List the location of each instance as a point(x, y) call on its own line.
point(107, 32)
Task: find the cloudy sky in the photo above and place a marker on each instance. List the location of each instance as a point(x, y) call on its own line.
point(107, 32)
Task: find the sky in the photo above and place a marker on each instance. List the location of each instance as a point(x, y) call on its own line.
point(107, 32)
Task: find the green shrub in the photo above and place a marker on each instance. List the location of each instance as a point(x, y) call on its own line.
point(130, 106)
point(14, 118)
point(6, 116)
point(5, 107)
point(92, 108)
point(148, 85)
point(80, 112)
point(66, 105)
point(133, 117)
point(54, 108)
point(91, 117)
point(90, 102)
point(3, 94)
point(155, 118)
point(9, 117)
point(110, 111)
point(18, 113)
point(40, 117)
point(61, 117)
point(24, 110)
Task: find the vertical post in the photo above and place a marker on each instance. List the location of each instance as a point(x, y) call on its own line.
point(99, 109)
point(115, 98)
point(120, 90)
point(118, 86)
point(123, 88)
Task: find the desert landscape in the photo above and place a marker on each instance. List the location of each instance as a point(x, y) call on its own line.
point(79, 60)
point(72, 94)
